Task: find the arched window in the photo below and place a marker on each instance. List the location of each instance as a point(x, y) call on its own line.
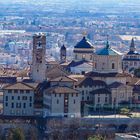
point(113, 66)
point(83, 56)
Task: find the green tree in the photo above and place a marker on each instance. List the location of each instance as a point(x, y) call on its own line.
point(33, 134)
point(96, 138)
point(124, 111)
point(17, 134)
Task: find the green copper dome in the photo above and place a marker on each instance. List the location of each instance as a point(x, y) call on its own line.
point(108, 51)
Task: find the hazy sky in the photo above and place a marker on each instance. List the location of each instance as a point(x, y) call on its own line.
point(100, 1)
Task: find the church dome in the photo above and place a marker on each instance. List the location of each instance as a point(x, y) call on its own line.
point(108, 51)
point(84, 44)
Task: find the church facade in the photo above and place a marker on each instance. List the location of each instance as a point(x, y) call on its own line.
point(131, 60)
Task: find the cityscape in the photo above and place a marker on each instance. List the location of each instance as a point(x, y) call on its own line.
point(69, 70)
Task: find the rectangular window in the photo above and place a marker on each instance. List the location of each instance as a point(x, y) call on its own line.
point(76, 94)
point(24, 105)
point(74, 101)
point(57, 101)
point(18, 97)
point(24, 98)
point(135, 63)
point(59, 95)
point(6, 98)
point(6, 104)
point(72, 95)
point(27, 91)
point(106, 99)
point(21, 91)
point(12, 97)
point(9, 91)
point(113, 66)
point(82, 92)
point(98, 99)
point(12, 105)
point(15, 91)
point(30, 98)
point(30, 104)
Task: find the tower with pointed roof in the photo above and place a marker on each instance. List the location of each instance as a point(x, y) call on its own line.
point(132, 46)
point(131, 60)
point(63, 54)
point(84, 50)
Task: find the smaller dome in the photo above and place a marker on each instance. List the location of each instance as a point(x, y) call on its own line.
point(108, 51)
point(84, 43)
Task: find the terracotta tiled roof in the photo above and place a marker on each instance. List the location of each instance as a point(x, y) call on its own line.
point(20, 86)
point(96, 74)
point(101, 91)
point(61, 90)
point(4, 79)
point(56, 72)
point(63, 79)
point(116, 85)
point(77, 63)
point(134, 81)
point(88, 81)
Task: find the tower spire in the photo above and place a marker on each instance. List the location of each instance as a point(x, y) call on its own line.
point(132, 46)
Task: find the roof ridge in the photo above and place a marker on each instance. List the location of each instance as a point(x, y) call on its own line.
point(9, 85)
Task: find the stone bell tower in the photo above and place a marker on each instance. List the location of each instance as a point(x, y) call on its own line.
point(38, 68)
point(63, 54)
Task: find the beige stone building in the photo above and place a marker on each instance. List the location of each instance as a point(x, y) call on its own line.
point(106, 85)
point(108, 60)
point(18, 99)
point(61, 99)
point(120, 93)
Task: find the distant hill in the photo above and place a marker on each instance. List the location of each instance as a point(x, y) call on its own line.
point(80, 5)
point(73, 1)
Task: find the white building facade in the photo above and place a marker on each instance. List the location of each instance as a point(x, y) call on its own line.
point(18, 100)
